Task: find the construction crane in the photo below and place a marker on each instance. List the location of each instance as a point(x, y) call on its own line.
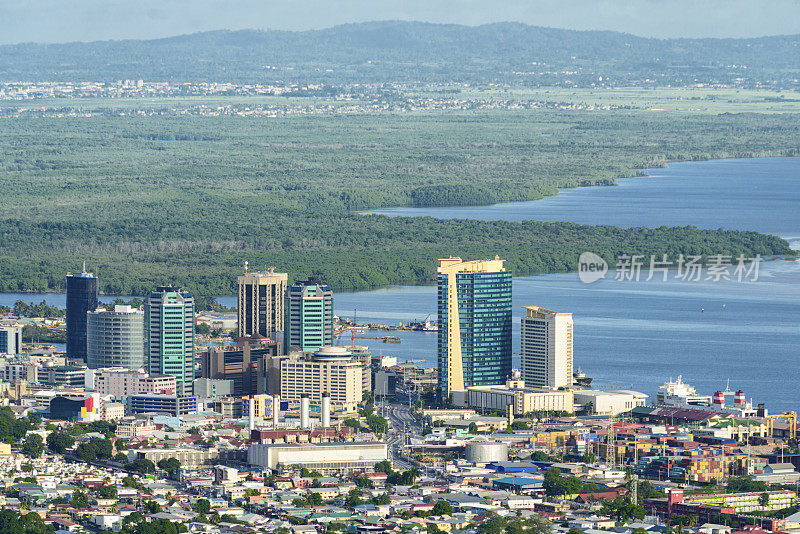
point(790, 416)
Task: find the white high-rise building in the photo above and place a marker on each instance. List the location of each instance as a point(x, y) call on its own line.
point(115, 338)
point(546, 348)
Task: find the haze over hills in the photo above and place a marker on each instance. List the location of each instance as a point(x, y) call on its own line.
point(394, 51)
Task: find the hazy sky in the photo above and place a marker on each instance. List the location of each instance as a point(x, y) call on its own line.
point(88, 20)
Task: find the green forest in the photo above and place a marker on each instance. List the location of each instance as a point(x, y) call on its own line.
point(146, 201)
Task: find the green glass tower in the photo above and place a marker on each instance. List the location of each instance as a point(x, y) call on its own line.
point(474, 308)
point(169, 335)
point(309, 315)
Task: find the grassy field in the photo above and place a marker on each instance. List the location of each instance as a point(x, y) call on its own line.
point(680, 99)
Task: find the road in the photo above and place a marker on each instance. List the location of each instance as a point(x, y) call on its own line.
point(403, 426)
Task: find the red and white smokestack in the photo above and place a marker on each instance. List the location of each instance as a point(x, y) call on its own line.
point(719, 399)
point(738, 398)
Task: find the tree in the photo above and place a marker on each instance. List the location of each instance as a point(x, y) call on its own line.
point(202, 506)
point(472, 428)
point(763, 500)
point(107, 491)
point(170, 465)
point(141, 465)
point(384, 466)
point(152, 507)
point(383, 498)
point(314, 499)
point(353, 498)
point(33, 445)
point(352, 423)
point(35, 419)
point(442, 508)
point(59, 442)
point(79, 500)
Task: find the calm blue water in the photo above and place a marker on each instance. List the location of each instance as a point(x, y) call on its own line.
point(630, 334)
point(737, 194)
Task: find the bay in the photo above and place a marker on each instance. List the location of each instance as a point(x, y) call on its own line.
point(639, 334)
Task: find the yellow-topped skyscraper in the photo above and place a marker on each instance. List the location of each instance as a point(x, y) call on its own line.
point(261, 303)
point(474, 309)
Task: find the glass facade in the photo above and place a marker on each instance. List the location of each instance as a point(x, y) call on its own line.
point(484, 318)
point(81, 298)
point(309, 315)
point(115, 338)
point(169, 335)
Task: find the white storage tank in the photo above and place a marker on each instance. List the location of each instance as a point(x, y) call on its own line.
point(484, 452)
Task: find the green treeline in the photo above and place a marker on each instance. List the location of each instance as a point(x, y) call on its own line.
point(146, 201)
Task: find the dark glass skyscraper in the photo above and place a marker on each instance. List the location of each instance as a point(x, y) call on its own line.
point(474, 305)
point(81, 298)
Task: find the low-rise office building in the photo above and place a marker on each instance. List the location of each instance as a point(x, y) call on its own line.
point(162, 404)
point(514, 393)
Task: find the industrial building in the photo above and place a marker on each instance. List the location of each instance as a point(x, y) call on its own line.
point(261, 303)
point(332, 370)
point(81, 298)
point(609, 402)
point(309, 321)
point(115, 338)
point(474, 312)
point(169, 335)
point(546, 348)
point(327, 458)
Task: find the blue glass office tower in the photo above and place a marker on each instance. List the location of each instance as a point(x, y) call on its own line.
point(81, 298)
point(474, 308)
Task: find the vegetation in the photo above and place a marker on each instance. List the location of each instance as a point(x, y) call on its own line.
point(12, 429)
point(42, 334)
point(11, 522)
point(414, 51)
point(59, 442)
point(556, 484)
point(94, 449)
point(33, 446)
point(174, 199)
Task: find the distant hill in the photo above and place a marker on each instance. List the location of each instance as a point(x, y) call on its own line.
point(414, 51)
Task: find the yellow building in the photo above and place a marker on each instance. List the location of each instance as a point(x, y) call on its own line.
point(330, 369)
point(261, 303)
point(483, 287)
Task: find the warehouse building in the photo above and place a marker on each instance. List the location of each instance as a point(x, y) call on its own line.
point(327, 458)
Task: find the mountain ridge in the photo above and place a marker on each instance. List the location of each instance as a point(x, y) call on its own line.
point(402, 51)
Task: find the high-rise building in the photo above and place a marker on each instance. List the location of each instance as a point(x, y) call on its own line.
point(474, 308)
point(169, 335)
point(546, 348)
point(251, 364)
point(309, 321)
point(261, 303)
point(81, 298)
point(115, 338)
point(10, 339)
point(332, 370)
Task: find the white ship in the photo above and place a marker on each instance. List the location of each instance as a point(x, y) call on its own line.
point(678, 393)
